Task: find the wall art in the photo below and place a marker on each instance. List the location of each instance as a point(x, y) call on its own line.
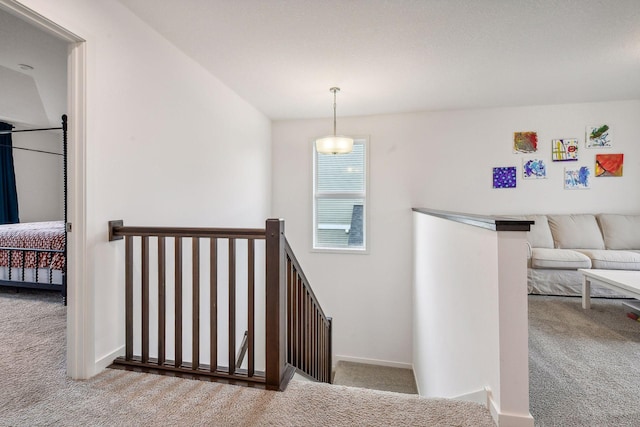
point(533, 169)
point(598, 137)
point(609, 164)
point(525, 142)
point(577, 178)
point(563, 150)
point(504, 177)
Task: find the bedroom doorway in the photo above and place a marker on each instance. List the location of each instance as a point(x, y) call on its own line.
point(79, 334)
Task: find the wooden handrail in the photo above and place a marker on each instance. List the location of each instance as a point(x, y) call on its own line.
point(494, 223)
point(117, 231)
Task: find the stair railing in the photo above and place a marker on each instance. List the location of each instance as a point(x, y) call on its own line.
point(290, 307)
point(308, 327)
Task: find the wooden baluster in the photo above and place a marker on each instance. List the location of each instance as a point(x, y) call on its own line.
point(323, 351)
point(195, 307)
point(251, 307)
point(315, 341)
point(213, 303)
point(162, 304)
point(145, 299)
point(289, 312)
point(327, 352)
point(296, 315)
point(303, 315)
point(319, 346)
point(323, 348)
point(178, 301)
point(319, 343)
point(311, 309)
point(307, 329)
point(292, 314)
point(329, 347)
point(128, 292)
point(304, 327)
point(300, 364)
point(311, 315)
point(232, 306)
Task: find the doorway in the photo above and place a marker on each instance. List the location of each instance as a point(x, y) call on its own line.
point(79, 297)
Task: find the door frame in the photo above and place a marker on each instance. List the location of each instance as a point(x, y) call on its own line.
point(80, 322)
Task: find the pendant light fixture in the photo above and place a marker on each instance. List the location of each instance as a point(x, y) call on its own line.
point(334, 144)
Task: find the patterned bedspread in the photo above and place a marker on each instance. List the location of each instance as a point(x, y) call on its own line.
point(34, 235)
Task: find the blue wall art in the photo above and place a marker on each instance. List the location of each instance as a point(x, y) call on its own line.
point(577, 178)
point(504, 177)
point(534, 169)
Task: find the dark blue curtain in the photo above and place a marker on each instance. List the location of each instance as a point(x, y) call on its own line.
point(8, 192)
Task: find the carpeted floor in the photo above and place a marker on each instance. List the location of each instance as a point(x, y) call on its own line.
point(375, 377)
point(35, 390)
point(584, 364)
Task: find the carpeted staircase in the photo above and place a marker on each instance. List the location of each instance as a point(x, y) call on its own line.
point(375, 377)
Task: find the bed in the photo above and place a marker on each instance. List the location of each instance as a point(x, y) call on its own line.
point(32, 255)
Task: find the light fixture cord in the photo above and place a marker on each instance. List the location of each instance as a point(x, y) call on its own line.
point(334, 112)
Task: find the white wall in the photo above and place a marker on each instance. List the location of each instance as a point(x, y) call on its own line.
point(470, 315)
point(441, 160)
point(39, 176)
point(166, 144)
point(456, 332)
point(454, 153)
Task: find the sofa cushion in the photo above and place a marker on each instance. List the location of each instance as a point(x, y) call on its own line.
point(540, 234)
point(575, 232)
point(607, 259)
point(563, 259)
point(620, 231)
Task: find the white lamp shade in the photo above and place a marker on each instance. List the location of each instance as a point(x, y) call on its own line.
point(335, 144)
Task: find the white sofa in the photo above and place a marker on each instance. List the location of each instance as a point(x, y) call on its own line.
point(561, 244)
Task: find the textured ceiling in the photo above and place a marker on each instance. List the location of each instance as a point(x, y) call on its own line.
point(35, 97)
point(407, 55)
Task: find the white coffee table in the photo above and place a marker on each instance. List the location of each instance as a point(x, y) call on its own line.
point(623, 281)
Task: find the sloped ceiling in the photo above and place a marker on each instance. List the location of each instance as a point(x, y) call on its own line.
point(31, 98)
point(393, 56)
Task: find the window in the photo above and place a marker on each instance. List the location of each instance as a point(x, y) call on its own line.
point(340, 199)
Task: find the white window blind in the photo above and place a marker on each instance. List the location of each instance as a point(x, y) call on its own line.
point(340, 194)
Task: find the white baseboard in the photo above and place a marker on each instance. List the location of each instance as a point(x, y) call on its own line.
point(104, 361)
point(507, 420)
point(479, 396)
point(388, 363)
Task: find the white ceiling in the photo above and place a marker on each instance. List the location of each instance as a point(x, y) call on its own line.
point(35, 97)
point(392, 56)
